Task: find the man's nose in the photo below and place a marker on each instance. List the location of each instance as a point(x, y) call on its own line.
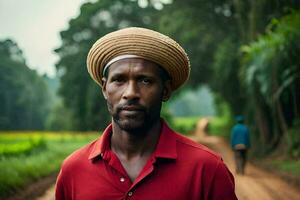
point(131, 91)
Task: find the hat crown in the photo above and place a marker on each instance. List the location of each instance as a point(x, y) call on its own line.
point(143, 42)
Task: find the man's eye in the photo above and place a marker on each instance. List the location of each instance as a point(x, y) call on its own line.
point(146, 81)
point(118, 80)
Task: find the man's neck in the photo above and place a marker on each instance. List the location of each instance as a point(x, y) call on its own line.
point(129, 145)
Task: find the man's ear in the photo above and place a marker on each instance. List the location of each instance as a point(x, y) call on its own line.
point(167, 90)
point(104, 81)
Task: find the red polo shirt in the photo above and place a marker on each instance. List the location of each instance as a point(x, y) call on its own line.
point(179, 168)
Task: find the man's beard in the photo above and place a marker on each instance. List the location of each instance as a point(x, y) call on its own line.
point(138, 123)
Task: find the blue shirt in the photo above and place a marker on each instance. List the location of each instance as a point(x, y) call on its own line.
point(240, 135)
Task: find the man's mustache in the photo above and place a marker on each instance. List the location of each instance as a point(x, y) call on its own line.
point(131, 106)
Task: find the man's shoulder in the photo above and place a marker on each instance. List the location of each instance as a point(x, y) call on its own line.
point(195, 149)
point(79, 157)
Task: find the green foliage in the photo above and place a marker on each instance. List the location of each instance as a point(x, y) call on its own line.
point(226, 80)
point(166, 114)
point(294, 140)
point(199, 27)
point(10, 147)
point(59, 118)
point(222, 123)
point(289, 166)
point(271, 74)
point(274, 54)
point(23, 94)
point(185, 125)
point(22, 169)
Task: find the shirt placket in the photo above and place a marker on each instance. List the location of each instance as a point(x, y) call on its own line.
point(149, 167)
point(118, 173)
point(120, 177)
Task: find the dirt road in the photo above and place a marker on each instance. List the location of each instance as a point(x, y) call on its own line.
point(255, 184)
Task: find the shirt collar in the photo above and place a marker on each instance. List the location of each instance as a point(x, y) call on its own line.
point(165, 148)
point(101, 144)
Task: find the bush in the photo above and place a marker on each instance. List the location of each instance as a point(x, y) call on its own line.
point(221, 124)
point(7, 148)
point(185, 125)
point(19, 169)
point(294, 140)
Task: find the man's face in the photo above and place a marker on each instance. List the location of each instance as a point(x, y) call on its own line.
point(134, 91)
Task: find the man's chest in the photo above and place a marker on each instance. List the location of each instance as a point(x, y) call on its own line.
point(158, 183)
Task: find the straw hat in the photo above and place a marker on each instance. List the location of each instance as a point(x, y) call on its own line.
point(140, 42)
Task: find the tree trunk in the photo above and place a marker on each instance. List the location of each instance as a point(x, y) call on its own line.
point(262, 125)
point(295, 104)
point(281, 119)
point(262, 118)
point(240, 10)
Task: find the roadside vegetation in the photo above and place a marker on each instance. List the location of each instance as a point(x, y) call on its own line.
point(288, 166)
point(28, 156)
point(185, 125)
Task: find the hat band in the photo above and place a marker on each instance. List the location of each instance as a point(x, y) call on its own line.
point(115, 59)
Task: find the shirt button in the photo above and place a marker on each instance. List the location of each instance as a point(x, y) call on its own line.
point(130, 194)
point(122, 179)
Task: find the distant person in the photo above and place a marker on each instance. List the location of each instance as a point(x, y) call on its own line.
point(240, 143)
point(138, 156)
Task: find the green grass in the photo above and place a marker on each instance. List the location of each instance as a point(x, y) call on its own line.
point(219, 126)
point(9, 147)
point(185, 125)
point(21, 169)
point(294, 139)
point(288, 166)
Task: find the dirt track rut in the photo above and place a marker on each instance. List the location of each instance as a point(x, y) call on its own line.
point(256, 183)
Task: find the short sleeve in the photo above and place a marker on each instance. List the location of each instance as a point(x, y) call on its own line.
point(222, 186)
point(60, 193)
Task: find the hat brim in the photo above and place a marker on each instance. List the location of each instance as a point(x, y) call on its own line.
point(146, 43)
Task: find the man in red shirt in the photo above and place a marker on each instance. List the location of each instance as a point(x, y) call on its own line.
point(139, 156)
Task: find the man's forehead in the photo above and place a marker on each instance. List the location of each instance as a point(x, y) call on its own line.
point(136, 64)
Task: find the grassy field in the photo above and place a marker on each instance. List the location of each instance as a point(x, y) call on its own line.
point(185, 125)
point(217, 125)
point(28, 156)
point(220, 126)
point(288, 166)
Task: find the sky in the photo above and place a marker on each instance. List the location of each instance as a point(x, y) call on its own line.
point(35, 25)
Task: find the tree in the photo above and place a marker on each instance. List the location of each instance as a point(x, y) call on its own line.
point(271, 72)
point(199, 26)
point(23, 94)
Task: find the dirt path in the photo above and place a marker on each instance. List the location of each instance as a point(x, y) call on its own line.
point(255, 184)
point(48, 195)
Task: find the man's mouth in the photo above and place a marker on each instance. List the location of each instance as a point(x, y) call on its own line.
point(132, 108)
